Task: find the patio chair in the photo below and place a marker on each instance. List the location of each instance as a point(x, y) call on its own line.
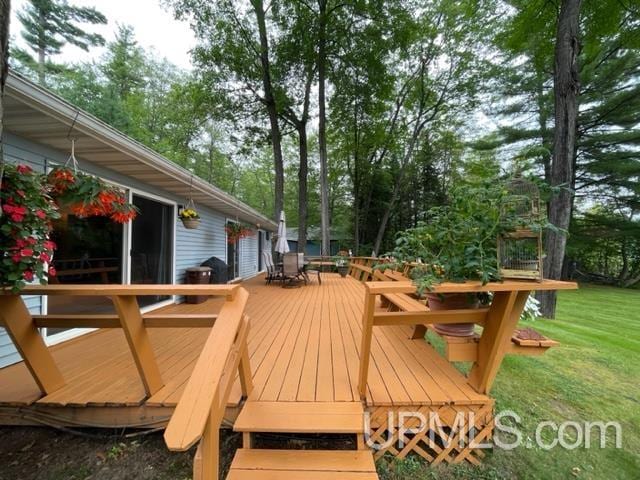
point(291, 269)
point(270, 270)
point(273, 273)
point(308, 269)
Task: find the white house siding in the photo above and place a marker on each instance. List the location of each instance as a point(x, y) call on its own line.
point(195, 246)
point(192, 246)
point(249, 255)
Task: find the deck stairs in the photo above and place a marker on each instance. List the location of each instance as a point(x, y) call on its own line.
point(301, 418)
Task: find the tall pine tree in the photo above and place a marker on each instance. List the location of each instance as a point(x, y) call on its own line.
point(47, 26)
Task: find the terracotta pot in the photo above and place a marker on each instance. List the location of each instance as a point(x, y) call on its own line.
point(191, 223)
point(453, 301)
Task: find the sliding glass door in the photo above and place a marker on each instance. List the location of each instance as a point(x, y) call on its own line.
point(233, 257)
point(152, 245)
point(89, 250)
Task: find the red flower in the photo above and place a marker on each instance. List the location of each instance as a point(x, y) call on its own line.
point(16, 258)
point(40, 214)
point(17, 218)
point(52, 272)
point(26, 252)
point(23, 169)
point(45, 257)
point(49, 245)
point(28, 275)
point(21, 243)
point(31, 241)
point(123, 217)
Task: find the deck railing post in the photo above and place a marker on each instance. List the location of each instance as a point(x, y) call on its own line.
point(365, 344)
point(500, 323)
point(138, 339)
point(206, 463)
point(16, 319)
point(244, 368)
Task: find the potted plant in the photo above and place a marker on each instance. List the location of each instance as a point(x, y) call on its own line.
point(84, 196)
point(26, 211)
point(236, 231)
point(342, 265)
point(190, 218)
point(458, 242)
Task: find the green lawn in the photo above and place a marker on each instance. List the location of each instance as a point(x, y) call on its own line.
point(593, 375)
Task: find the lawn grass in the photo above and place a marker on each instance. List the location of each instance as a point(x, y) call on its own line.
point(593, 375)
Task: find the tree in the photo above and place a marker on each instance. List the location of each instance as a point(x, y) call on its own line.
point(233, 60)
point(48, 25)
point(5, 15)
point(296, 65)
point(566, 86)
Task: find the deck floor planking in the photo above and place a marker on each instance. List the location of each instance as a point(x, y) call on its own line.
point(303, 346)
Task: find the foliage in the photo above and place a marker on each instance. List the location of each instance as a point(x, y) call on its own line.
point(458, 241)
point(188, 214)
point(48, 25)
point(25, 224)
point(236, 231)
point(88, 196)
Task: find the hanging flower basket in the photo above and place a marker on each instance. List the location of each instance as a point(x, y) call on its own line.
point(191, 220)
point(189, 216)
point(87, 196)
point(237, 231)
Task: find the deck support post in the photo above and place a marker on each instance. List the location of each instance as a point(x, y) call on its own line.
point(244, 364)
point(365, 344)
point(16, 319)
point(205, 465)
point(138, 339)
point(495, 341)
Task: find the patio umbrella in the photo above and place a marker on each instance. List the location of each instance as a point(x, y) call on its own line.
point(282, 246)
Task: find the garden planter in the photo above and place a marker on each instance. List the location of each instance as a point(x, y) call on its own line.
point(343, 270)
point(191, 223)
point(453, 301)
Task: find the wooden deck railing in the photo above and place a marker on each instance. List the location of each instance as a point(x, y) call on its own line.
point(22, 327)
point(499, 320)
point(361, 268)
point(200, 411)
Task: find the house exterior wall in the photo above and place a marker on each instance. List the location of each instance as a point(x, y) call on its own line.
point(192, 247)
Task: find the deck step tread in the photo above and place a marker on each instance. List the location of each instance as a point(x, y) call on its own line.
point(301, 417)
point(302, 465)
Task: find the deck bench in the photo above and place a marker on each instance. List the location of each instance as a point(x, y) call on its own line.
point(526, 341)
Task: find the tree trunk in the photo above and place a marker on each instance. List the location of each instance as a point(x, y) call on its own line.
point(42, 45)
point(302, 187)
point(566, 90)
point(325, 225)
point(272, 110)
point(5, 10)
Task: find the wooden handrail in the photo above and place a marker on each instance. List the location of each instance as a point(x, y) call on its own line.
point(226, 290)
point(380, 287)
point(22, 327)
point(200, 411)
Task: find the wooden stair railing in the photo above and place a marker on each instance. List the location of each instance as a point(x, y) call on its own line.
point(200, 411)
point(22, 327)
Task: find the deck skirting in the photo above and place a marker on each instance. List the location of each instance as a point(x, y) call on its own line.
point(444, 433)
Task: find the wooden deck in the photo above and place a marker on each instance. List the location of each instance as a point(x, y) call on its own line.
point(303, 346)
